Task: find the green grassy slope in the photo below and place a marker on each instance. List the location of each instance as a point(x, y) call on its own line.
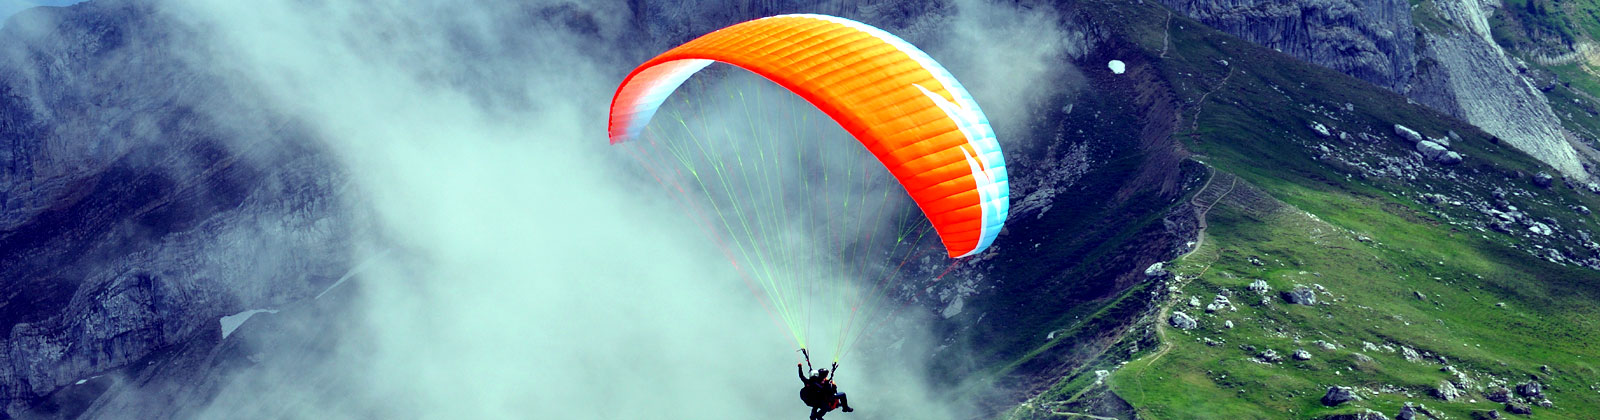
point(1355, 217)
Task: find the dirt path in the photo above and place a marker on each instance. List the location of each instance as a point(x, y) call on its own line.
point(1087, 416)
point(1166, 309)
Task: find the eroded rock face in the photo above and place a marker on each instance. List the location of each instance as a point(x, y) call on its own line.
point(1369, 39)
point(1469, 76)
point(129, 218)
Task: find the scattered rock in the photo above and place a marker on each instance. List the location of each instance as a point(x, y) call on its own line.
point(1183, 321)
point(1449, 158)
point(1227, 324)
point(1300, 295)
point(1451, 134)
point(1409, 354)
point(1431, 150)
point(1407, 133)
point(1338, 395)
point(1362, 358)
point(1406, 413)
point(1518, 408)
point(1368, 346)
point(1301, 354)
point(1446, 391)
point(1156, 270)
point(1321, 130)
point(1498, 394)
point(1486, 415)
point(1419, 295)
point(1324, 345)
point(1542, 180)
point(1260, 286)
point(1546, 403)
point(1366, 414)
point(1219, 303)
point(1194, 301)
point(1530, 390)
point(1269, 356)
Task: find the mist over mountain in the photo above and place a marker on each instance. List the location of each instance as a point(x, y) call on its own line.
point(1295, 209)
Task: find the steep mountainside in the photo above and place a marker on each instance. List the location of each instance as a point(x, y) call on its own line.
point(1440, 54)
point(1346, 253)
point(128, 222)
point(1402, 245)
point(173, 257)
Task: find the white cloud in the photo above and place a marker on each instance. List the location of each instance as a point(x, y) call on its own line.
point(536, 280)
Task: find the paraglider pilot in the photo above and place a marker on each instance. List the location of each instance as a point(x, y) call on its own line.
point(820, 393)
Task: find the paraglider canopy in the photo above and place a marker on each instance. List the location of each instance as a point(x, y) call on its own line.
point(915, 122)
point(899, 103)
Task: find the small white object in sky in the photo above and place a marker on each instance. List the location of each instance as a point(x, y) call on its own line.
point(1117, 66)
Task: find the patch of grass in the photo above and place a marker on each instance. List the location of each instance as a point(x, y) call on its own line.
point(1248, 117)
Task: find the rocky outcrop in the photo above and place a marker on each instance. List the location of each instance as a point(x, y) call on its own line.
point(1338, 395)
point(1531, 390)
point(1300, 295)
point(1472, 78)
point(1456, 69)
point(1369, 39)
point(1183, 321)
point(1446, 391)
point(130, 218)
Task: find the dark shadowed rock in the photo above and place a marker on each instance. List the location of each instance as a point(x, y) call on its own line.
point(1365, 414)
point(1518, 408)
point(1530, 390)
point(1300, 295)
point(1407, 412)
point(1543, 180)
point(1338, 395)
point(1498, 394)
point(1269, 356)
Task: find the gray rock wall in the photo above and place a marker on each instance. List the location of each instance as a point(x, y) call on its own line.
point(1472, 79)
point(1369, 39)
point(1458, 70)
point(140, 202)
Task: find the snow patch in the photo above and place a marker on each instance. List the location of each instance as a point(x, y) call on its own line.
point(232, 322)
point(1117, 66)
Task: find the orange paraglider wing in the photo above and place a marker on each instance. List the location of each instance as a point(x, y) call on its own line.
point(906, 109)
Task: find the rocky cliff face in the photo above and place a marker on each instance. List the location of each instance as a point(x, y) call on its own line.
point(130, 220)
point(1373, 40)
point(1450, 64)
point(1470, 77)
